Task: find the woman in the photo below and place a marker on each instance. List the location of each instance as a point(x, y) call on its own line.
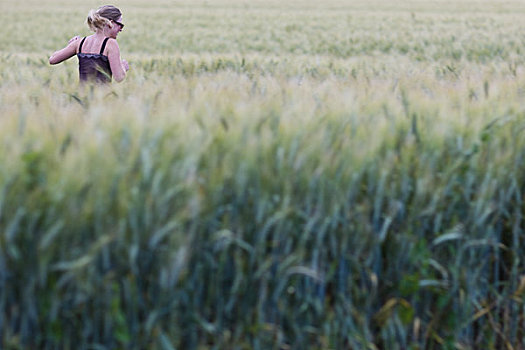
point(98, 54)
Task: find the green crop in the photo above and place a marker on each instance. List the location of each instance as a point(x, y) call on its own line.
point(298, 175)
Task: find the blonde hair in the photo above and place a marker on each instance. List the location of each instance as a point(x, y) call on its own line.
point(98, 18)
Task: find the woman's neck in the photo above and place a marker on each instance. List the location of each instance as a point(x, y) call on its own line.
point(100, 33)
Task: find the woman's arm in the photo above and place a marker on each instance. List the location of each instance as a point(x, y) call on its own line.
point(118, 66)
point(67, 52)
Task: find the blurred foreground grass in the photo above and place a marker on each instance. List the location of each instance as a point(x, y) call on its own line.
point(238, 196)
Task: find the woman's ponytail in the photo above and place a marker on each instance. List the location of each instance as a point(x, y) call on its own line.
point(98, 18)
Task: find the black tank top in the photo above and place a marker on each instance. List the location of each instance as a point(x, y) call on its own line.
point(94, 67)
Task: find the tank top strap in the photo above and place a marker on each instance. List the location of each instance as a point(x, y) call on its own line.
point(103, 46)
point(80, 47)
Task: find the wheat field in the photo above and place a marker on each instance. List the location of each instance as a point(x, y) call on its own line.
point(270, 175)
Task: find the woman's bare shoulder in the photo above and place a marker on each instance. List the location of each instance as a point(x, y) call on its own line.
point(75, 41)
point(112, 46)
point(113, 42)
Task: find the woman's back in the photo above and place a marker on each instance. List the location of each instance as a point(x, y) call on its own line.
point(93, 44)
point(93, 65)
